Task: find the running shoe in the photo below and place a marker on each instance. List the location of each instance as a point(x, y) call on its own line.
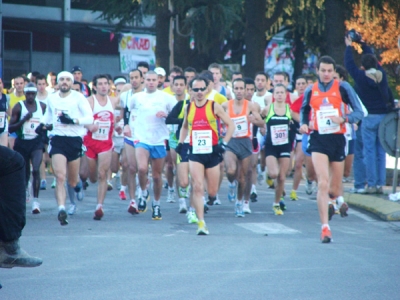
point(122, 195)
point(217, 201)
point(282, 204)
point(232, 192)
point(379, 190)
point(293, 196)
point(253, 197)
point(343, 209)
point(165, 185)
point(191, 217)
point(357, 191)
point(309, 187)
point(201, 228)
point(109, 186)
point(246, 208)
point(53, 185)
point(156, 212)
point(171, 196)
point(98, 214)
point(239, 210)
point(35, 207)
point(143, 203)
point(72, 209)
point(182, 206)
point(270, 183)
point(206, 208)
point(85, 185)
point(277, 210)
point(62, 217)
point(43, 185)
point(132, 208)
point(326, 235)
point(260, 178)
point(79, 193)
point(331, 210)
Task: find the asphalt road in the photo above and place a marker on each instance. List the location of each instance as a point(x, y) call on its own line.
point(261, 256)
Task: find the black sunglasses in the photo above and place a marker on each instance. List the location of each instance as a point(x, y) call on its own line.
point(199, 89)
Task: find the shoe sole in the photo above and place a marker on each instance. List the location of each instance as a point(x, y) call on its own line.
point(217, 203)
point(62, 217)
point(36, 211)
point(331, 211)
point(183, 211)
point(247, 212)
point(343, 210)
point(42, 189)
point(171, 201)
point(326, 240)
point(156, 218)
point(133, 210)
point(202, 232)
point(206, 209)
point(239, 216)
point(98, 215)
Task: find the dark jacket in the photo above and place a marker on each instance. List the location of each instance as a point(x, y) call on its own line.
point(366, 83)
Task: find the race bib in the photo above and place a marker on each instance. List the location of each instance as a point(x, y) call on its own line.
point(30, 126)
point(324, 121)
point(202, 141)
point(279, 134)
point(241, 126)
point(2, 119)
point(103, 132)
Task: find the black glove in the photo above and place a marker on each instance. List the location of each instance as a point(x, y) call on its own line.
point(255, 143)
point(40, 129)
point(65, 119)
point(178, 149)
point(221, 148)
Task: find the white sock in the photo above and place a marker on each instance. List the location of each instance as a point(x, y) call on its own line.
point(325, 225)
point(253, 189)
point(99, 206)
point(35, 200)
point(246, 201)
point(123, 188)
point(144, 193)
point(156, 202)
point(61, 207)
point(171, 189)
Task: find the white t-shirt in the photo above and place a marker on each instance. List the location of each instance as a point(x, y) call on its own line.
point(76, 106)
point(260, 99)
point(149, 129)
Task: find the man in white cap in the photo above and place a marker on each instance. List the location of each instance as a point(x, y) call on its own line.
point(161, 78)
point(66, 114)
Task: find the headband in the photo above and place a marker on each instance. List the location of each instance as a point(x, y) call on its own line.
point(30, 89)
point(65, 74)
point(119, 80)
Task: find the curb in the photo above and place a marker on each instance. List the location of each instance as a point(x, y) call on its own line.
point(384, 209)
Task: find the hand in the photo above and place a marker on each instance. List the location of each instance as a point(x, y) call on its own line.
point(27, 116)
point(337, 120)
point(221, 148)
point(303, 128)
point(251, 118)
point(65, 119)
point(40, 129)
point(93, 127)
point(255, 143)
point(161, 114)
point(127, 131)
point(355, 127)
point(118, 129)
point(49, 127)
point(178, 149)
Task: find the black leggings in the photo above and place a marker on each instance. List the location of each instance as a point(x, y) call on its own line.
point(12, 194)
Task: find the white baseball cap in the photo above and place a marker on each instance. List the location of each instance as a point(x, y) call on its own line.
point(160, 71)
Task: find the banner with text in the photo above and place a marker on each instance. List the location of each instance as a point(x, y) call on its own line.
point(134, 48)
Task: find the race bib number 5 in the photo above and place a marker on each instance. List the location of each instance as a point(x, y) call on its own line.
point(202, 141)
point(325, 124)
point(280, 134)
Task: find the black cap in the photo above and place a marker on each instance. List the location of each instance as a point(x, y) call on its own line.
point(76, 69)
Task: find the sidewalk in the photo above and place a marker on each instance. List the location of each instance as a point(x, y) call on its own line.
point(379, 205)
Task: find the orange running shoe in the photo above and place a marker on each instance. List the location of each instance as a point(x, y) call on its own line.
point(326, 235)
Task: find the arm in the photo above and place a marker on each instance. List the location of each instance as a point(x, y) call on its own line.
point(219, 111)
point(15, 115)
point(86, 110)
point(172, 117)
point(255, 116)
point(357, 114)
point(268, 100)
point(185, 128)
point(305, 111)
point(349, 63)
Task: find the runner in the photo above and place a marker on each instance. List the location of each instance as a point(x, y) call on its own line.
point(3, 116)
point(239, 149)
point(326, 100)
point(150, 132)
point(277, 143)
point(25, 118)
point(66, 114)
point(98, 141)
point(201, 124)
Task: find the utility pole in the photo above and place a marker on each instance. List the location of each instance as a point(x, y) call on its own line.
point(67, 35)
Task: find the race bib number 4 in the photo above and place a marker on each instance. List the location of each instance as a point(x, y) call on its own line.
point(241, 126)
point(103, 132)
point(202, 141)
point(280, 134)
point(30, 126)
point(325, 124)
point(2, 119)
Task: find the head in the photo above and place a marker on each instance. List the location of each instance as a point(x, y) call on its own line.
point(250, 88)
point(189, 73)
point(369, 61)
point(77, 73)
point(179, 85)
point(119, 82)
point(143, 66)
point(280, 78)
point(19, 83)
point(341, 73)
point(101, 84)
point(65, 80)
point(261, 81)
point(161, 76)
point(326, 67)
point(52, 79)
point(30, 92)
point(136, 78)
point(77, 86)
point(238, 86)
point(41, 83)
point(209, 76)
point(151, 81)
point(279, 92)
point(198, 87)
point(310, 78)
point(301, 84)
point(216, 71)
point(32, 76)
point(236, 75)
point(175, 71)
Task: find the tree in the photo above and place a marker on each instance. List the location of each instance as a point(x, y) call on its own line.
point(381, 29)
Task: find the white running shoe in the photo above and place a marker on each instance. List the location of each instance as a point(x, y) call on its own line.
point(35, 207)
point(182, 206)
point(72, 209)
point(171, 196)
point(246, 208)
